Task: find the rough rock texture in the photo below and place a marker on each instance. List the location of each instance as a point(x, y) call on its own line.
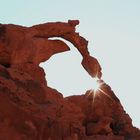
point(31, 110)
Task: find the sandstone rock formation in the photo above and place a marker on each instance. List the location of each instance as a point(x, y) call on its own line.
point(31, 110)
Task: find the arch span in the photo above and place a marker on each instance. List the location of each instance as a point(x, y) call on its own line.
point(67, 32)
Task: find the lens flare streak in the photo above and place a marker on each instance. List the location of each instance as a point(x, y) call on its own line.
point(105, 93)
point(97, 89)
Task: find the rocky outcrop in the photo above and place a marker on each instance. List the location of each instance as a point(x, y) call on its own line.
point(31, 110)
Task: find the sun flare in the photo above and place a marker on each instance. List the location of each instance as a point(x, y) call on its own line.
point(96, 85)
point(96, 89)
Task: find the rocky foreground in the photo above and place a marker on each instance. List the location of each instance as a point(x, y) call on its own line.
point(31, 110)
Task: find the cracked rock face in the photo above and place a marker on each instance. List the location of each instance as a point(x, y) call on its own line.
point(31, 110)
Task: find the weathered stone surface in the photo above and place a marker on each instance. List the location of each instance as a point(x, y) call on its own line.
point(30, 110)
point(33, 45)
point(104, 114)
point(99, 137)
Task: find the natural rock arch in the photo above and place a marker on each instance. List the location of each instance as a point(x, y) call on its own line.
point(32, 46)
point(43, 113)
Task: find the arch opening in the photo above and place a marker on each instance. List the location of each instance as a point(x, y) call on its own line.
point(65, 73)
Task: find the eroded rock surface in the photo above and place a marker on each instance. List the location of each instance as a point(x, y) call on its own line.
point(31, 110)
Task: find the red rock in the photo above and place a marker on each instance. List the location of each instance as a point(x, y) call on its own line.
point(100, 127)
point(92, 66)
point(30, 110)
point(99, 137)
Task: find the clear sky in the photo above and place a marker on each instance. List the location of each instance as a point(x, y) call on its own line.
point(113, 30)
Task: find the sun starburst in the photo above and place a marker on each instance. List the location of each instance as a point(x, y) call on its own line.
point(97, 89)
